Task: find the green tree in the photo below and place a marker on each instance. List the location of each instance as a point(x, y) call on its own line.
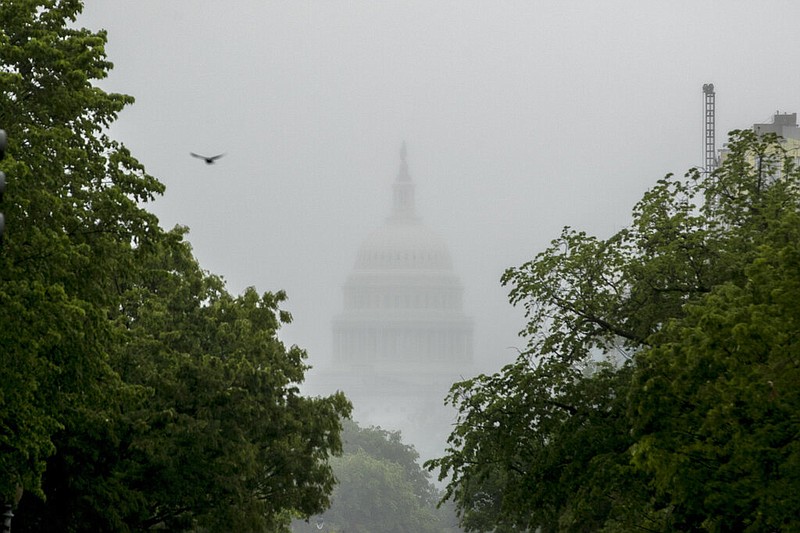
point(546, 443)
point(72, 215)
point(214, 434)
point(380, 487)
point(715, 402)
point(388, 445)
point(135, 393)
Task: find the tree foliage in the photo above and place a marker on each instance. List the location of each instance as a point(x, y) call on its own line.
point(655, 391)
point(71, 210)
point(380, 487)
point(715, 403)
point(135, 391)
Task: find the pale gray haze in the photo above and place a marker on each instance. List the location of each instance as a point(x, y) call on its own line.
point(520, 118)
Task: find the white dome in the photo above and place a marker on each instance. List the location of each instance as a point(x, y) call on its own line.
point(403, 303)
point(403, 244)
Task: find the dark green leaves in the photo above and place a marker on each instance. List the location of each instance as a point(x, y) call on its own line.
point(380, 487)
point(659, 384)
point(135, 391)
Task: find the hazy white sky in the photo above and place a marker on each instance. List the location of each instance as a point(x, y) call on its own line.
point(520, 118)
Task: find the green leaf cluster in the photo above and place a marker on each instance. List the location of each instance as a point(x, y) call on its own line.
point(658, 390)
point(715, 401)
point(380, 487)
point(136, 393)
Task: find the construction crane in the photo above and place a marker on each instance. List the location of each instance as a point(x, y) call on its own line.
point(711, 128)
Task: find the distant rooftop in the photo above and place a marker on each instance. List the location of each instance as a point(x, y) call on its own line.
point(783, 124)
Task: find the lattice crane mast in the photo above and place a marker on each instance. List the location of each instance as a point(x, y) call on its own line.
point(710, 129)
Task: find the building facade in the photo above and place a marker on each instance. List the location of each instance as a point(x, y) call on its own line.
point(402, 337)
point(784, 125)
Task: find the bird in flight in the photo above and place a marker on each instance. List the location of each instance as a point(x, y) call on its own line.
point(208, 159)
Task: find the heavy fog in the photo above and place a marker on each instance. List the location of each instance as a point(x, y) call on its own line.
point(519, 117)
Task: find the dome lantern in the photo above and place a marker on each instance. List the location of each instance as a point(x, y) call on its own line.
point(403, 189)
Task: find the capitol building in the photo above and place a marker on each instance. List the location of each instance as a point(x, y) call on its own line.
point(402, 337)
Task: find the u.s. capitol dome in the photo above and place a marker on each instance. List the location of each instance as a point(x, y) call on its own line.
point(403, 303)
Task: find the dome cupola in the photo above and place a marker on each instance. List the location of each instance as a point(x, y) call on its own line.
point(403, 301)
point(402, 337)
point(403, 189)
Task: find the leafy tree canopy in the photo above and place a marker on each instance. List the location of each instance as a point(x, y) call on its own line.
point(72, 215)
point(714, 403)
point(380, 487)
point(655, 391)
point(135, 392)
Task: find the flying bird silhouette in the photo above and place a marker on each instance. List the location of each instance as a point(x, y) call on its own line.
point(208, 159)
